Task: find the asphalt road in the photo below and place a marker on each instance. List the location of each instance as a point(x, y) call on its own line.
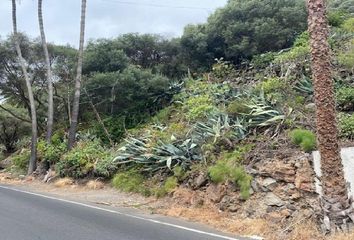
point(32, 216)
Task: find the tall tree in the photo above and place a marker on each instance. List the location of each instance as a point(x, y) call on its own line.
point(49, 74)
point(32, 162)
point(335, 202)
point(76, 103)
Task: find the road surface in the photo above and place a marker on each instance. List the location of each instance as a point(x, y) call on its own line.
point(31, 216)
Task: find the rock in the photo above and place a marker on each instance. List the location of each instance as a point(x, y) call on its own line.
point(255, 186)
point(291, 207)
point(234, 208)
point(310, 107)
point(200, 181)
point(304, 179)
point(279, 170)
point(6, 163)
point(230, 203)
point(215, 192)
point(273, 200)
point(269, 183)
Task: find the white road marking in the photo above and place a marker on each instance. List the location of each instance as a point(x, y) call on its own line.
point(128, 215)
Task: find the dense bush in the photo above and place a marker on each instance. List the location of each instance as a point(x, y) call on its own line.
point(51, 153)
point(345, 98)
point(130, 181)
point(21, 160)
point(346, 125)
point(303, 138)
point(81, 160)
point(198, 107)
point(12, 129)
point(243, 29)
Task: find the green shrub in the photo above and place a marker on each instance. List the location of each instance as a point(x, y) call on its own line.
point(273, 85)
point(336, 18)
point(219, 172)
point(229, 168)
point(299, 52)
point(80, 161)
point(263, 60)
point(346, 125)
point(222, 172)
point(130, 181)
point(169, 185)
point(348, 25)
point(179, 173)
point(163, 115)
point(222, 68)
point(345, 98)
point(51, 153)
point(20, 161)
point(303, 138)
point(198, 107)
point(243, 180)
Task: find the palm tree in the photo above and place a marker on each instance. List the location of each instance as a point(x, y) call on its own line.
point(32, 162)
point(49, 74)
point(76, 103)
point(335, 201)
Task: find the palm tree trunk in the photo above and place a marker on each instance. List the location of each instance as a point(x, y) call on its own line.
point(335, 202)
point(76, 103)
point(32, 162)
point(49, 74)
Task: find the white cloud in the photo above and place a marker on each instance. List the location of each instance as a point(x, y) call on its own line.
point(106, 18)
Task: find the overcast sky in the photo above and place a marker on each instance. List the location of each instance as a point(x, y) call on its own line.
point(106, 18)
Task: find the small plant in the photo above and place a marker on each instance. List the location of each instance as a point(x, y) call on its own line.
point(222, 172)
point(303, 138)
point(345, 98)
point(222, 68)
point(228, 168)
point(130, 181)
point(169, 185)
point(346, 125)
point(162, 116)
point(198, 107)
point(273, 85)
point(21, 160)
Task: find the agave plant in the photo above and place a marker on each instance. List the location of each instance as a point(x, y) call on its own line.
point(262, 113)
point(220, 126)
point(162, 156)
point(304, 86)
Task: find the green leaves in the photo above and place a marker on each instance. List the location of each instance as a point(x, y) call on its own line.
point(153, 158)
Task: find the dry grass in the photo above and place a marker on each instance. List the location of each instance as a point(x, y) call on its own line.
point(221, 221)
point(94, 185)
point(63, 182)
point(252, 227)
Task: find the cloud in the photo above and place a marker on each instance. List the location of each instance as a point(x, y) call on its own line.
point(107, 18)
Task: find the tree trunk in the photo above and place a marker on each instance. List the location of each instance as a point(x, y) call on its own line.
point(32, 162)
point(49, 75)
point(76, 103)
point(335, 202)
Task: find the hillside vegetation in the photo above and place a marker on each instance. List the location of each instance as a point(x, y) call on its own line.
point(194, 111)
